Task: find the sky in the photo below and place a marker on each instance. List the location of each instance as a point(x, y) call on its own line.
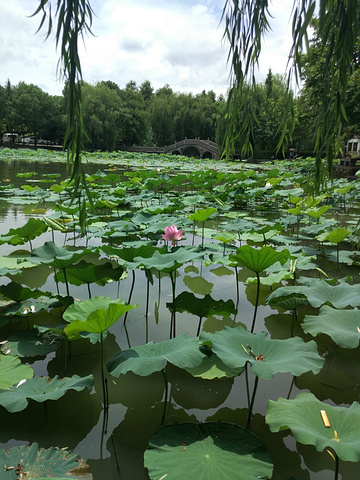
point(174, 42)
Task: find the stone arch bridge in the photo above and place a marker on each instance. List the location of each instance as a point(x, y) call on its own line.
point(191, 147)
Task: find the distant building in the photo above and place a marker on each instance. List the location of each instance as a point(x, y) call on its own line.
point(353, 147)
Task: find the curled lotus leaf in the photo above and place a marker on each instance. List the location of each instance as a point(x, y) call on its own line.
point(343, 326)
point(338, 429)
point(40, 389)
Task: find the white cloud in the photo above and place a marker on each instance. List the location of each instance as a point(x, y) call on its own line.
point(175, 42)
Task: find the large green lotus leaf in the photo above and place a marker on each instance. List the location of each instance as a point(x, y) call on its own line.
point(125, 256)
point(302, 416)
point(320, 292)
point(18, 293)
point(40, 389)
point(203, 214)
point(236, 346)
point(258, 260)
point(13, 371)
point(288, 302)
point(169, 262)
point(84, 272)
point(336, 236)
point(58, 257)
point(40, 463)
point(208, 451)
point(182, 351)
point(32, 229)
point(202, 307)
point(32, 343)
point(339, 296)
point(95, 315)
point(343, 326)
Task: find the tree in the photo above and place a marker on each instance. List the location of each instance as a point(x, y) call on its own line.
point(248, 21)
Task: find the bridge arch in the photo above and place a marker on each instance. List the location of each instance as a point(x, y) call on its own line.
point(191, 151)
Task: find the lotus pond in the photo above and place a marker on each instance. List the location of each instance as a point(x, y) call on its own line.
point(224, 347)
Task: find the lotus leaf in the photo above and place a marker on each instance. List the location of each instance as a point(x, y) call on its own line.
point(14, 291)
point(40, 389)
point(335, 236)
point(32, 229)
point(84, 272)
point(168, 262)
point(236, 346)
point(202, 307)
point(13, 371)
point(343, 326)
point(258, 260)
point(58, 257)
point(212, 367)
point(320, 292)
point(32, 343)
point(146, 359)
point(207, 451)
point(302, 416)
point(95, 315)
point(203, 214)
point(32, 462)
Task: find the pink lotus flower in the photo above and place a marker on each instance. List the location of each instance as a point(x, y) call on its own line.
point(172, 234)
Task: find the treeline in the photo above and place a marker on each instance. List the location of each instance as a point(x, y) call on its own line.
point(115, 117)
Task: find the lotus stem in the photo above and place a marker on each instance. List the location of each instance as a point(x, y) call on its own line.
point(252, 402)
point(336, 466)
point(130, 294)
point(173, 317)
point(56, 282)
point(199, 327)
point(89, 290)
point(66, 283)
point(147, 311)
point(165, 397)
point(291, 387)
point(202, 235)
point(256, 301)
point(103, 380)
point(237, 287)
point(247, 384)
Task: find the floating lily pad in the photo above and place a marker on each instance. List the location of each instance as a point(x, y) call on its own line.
point(236, 346)
point(32, 462)
point(13, 371)
point(40, 389)
point(302, 416)
point(206, 451)
point(146, 359)
point(343, 326)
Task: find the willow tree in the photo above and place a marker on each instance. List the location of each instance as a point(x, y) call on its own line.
point(70, 19)
point(248, 21)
